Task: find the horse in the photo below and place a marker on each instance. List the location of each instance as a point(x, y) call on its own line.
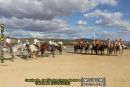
point(46, 47)
point(59, 48)
point(91, 47)
point(102, 48)
point(111, 49)
point(86, 47)
point(78, 47)
point(120, 48)
point(96, 48)
point(31, 49)
point(7, 48)
point(114, 48)
point(19, 47)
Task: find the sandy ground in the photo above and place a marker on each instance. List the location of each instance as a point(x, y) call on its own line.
point(116, 69)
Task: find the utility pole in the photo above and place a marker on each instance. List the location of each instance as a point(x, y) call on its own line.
point(94, 35)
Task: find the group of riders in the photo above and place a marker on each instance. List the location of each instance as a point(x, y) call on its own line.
point(37, 47)
point(99, 46)
point(109, 47)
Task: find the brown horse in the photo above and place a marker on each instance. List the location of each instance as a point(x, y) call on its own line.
point(86, 47)
point(46, 47)
point(59, 48)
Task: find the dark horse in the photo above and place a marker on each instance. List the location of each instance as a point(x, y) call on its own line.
point(59, 48)
point(102, 48)
point(86, 47)
point(46, 47)
point(78, 47)
point(98, 48)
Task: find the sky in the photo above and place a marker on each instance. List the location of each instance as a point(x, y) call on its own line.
point(66, 19)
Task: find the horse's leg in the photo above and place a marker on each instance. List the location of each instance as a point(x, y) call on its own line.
point(91, 51)
point(103, 51)
point(114, 50)
point(77, 50)
point(60, 51)
point(36, 53)
point(85, 50)
point(109, 51)
point(32, 54)
point(117, 49)
point(42, 52)
point(74, 50)
point(96, 51)
point(53, 53)
point(12, 54)
point(29, 54)
point(122, 51)
point(80, 50)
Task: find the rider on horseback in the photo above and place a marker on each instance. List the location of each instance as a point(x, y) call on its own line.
point(108, 42)
point(80, 43)
point(8, 44)
point(19, 42)
point(51, 44)
point(36, 43)
point(27, 43)
point(60, 43)
point(120, 44)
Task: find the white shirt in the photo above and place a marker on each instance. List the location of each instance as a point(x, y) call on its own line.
point(60, 42)
point(50, 42)
point(55, 44)
point(35, 41)
point(118, 43)
point(19, 41)
point(8, 40)
point(27, 41)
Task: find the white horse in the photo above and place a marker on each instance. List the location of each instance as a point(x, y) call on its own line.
point(22, 47)
point(7, 50)
point(121, 48)
point(33, 49)
point(19, 47)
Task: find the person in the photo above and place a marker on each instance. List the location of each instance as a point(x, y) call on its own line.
point(27, 43)
point(87, 42)
point(19, 42)
point(108, 42)
point(93, 42)
point(60, 43)
point(102, 42)
point(35, 41)
point(80, 42)
point(8, 40)
point(97, 42)
point(8, 44)
point(50, 42)
point(55, 44)
point(121, 42)
point(115, 42)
